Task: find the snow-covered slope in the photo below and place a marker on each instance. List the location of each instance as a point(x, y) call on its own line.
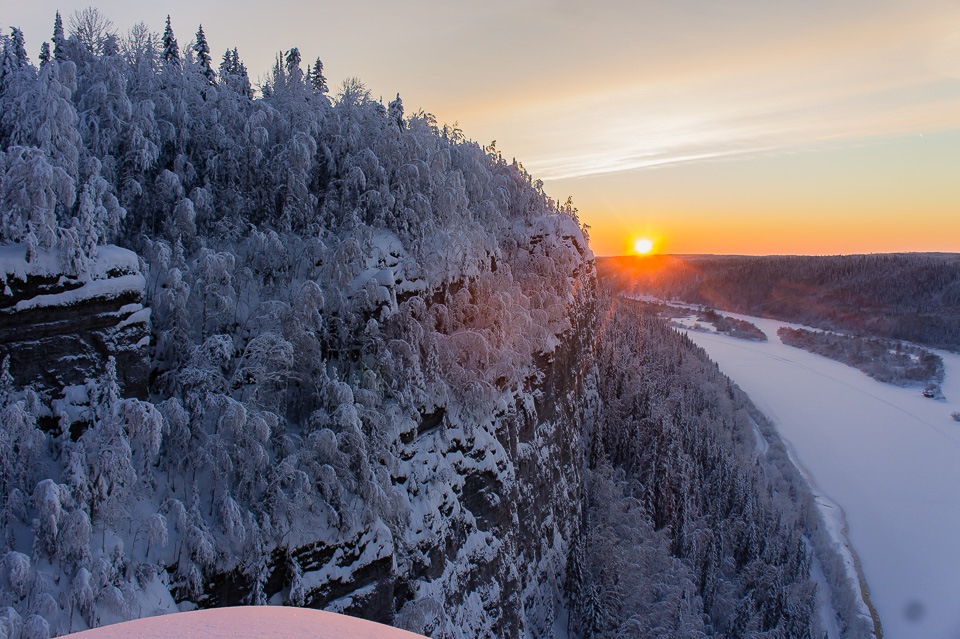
point(248, 622)
point(887, 455)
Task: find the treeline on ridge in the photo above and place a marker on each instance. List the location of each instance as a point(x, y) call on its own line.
point(905, 296)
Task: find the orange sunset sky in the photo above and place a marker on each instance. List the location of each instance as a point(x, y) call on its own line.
point(746, 126)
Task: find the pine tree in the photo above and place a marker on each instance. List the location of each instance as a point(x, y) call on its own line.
point(203, 57)
point(44, 53)
point(171, 50)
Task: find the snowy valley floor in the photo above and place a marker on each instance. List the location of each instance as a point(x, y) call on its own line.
point(888, 456)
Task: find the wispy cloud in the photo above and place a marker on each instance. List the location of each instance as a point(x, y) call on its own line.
point(576, 88)
point(643, 137)
point(764, 87)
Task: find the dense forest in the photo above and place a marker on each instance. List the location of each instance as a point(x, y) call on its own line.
point(696, 525)
point(382, 379)
point(731, 326)
point(850, 293)
point(883, 360)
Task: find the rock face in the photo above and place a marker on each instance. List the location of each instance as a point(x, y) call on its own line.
point(492, 506)
point(500, 554)
point(58, 330)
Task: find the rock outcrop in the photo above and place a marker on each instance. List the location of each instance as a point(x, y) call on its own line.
point(58, 330)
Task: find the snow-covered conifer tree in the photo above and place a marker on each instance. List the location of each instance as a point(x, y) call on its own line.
point(6, 383)
point(227, 64)
point(98, 218)
point(156, 531)
point(279, 73)
point(298, 591)
point(18, 47)
point(35, 627)
point(82, 597)
point(299, 203)
point(111, 45)
point(171, 50)
point(233, 73)
point(39, 112)
point(203, 57)
point(75, 535)
point(31, 190)
point(293, 72)
point(395, 111)
point(317, 81)
point(48, 497)
point(58, 39)
point(15, 568)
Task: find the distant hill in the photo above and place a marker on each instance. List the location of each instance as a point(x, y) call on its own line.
point(908, 296)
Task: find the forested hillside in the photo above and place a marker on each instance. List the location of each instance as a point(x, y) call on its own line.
point(697, 522)
point(375, 373)
point(843, 292)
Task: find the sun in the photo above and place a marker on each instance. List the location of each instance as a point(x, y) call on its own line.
point(643, 246)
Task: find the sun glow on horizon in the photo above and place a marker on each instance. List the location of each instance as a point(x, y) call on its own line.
point(643, 246)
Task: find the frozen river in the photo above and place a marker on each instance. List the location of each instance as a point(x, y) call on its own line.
point(888, 456)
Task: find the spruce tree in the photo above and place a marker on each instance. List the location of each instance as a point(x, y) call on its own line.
point(227, 64)
point(171, 50)
point(58, 39)
point(294, 74)
point(203, 57)
point(317, 80)
point(7, 386)
point(243, 79)
point(18, 47)
point(44, 53)
point(279, 72)
point(594, 620)
point(111, 45)
point(574, 581)
point(395, 111)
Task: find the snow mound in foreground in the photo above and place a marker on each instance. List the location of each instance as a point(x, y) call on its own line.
point(248, 622)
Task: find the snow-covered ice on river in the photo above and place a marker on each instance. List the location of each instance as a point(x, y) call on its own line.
point(887, 455)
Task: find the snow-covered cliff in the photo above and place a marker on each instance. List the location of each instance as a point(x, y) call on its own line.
point(379, 375)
